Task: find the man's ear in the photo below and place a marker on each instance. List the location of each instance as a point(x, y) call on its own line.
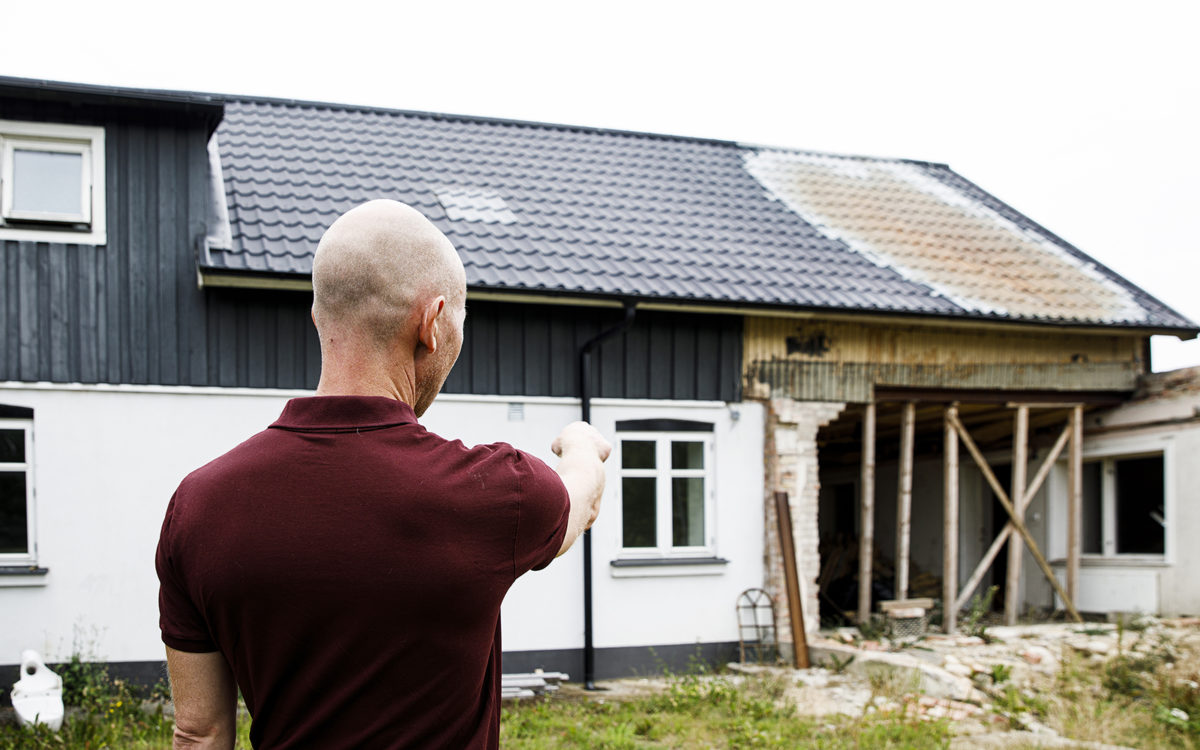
point(427, 328)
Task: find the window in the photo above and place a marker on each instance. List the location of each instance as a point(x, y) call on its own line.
point(17, 545)
point(52, 182)
point(1123, 506)
point(666, 494)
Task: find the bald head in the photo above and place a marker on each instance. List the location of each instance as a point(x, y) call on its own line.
point(376, 266)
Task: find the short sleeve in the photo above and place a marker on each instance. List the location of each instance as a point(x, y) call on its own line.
point(183, 627)
point(544, 510)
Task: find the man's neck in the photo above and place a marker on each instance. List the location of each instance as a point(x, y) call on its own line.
point(368, 378)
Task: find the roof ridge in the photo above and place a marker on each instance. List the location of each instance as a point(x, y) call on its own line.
point(375, 109)
point(832, 155)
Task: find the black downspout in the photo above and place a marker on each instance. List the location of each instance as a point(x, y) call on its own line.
point(585, 402)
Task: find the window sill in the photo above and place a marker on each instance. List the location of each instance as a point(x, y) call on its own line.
point(659, 567)
point(16, 576)
point(1116, 561)
point(64, 236)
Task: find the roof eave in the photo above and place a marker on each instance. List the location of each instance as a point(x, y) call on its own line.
point(209, 108)
point(211, 277)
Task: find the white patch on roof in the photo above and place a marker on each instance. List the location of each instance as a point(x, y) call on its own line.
point(899, 217)
point(474, 204)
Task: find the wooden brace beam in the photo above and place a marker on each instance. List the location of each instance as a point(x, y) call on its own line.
point(1014, 520)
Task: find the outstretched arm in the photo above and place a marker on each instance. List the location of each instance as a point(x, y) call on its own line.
point(205, 696)
point(583, 451)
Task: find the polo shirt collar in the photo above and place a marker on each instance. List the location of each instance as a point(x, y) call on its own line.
point(341, 412)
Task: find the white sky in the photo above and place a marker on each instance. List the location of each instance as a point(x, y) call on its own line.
point(1083, 115)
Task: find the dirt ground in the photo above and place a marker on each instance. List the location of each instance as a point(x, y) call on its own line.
point(962, 678)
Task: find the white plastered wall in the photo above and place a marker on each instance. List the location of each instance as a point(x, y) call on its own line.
point(106, 460)
point(1168, 584)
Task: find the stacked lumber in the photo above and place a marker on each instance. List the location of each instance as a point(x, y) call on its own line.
point(530, 684)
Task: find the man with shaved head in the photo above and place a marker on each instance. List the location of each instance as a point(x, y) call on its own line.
point(344, 568)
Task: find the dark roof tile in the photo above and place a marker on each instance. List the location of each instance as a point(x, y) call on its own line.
point(603, 212)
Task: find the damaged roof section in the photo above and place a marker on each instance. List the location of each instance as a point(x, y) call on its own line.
point(546, 209)
point(900, 215)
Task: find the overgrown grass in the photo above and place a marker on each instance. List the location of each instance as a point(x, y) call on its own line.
point(1146, 695)
point(703, 711)
point(104, 712)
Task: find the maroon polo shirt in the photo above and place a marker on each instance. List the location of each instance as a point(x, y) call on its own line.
point(350, 565)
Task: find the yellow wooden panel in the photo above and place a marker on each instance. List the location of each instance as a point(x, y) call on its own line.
point(773, 339)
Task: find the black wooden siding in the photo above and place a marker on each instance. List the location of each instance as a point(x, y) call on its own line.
point(131, 312)
point(533, 350)
point(124, 312)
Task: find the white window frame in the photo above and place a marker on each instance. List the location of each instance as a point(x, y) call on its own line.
point(85, 140)
point(29, 557)
point(1108, 507)
point(663, 473)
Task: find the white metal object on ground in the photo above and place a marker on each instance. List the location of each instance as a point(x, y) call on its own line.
point(37, 695)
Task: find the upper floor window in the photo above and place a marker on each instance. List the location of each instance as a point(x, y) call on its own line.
point(1124, 506)
point(16, 490)
point(52, 182)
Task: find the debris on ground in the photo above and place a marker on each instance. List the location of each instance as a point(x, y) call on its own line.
point(989, 685)
point(530, 684)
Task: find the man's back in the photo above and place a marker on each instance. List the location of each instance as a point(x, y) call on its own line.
point(350, 566)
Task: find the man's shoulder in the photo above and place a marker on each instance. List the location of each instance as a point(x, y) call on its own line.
point(495, 458)
point(236, 458)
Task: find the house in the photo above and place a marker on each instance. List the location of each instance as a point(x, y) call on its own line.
point(741, 320)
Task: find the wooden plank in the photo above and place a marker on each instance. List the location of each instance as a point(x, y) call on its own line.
point(1018, 525)
point(708, 352)
point(171, 224)
point(60, 303)
point(729, 361)
point(661, 377)
point(1075, 503)
point(1020, 459)
point(791, 575)
point(950, 521)
point(225, 334)
point(904, 500)
point(482, 374)
point(510, 354)
point(536, 366)
point(258, 340)
point(86, 327)
point(637, 360)
point(137, 262)
point(609, 355)
point(683, 364)
point(564, 375)
point(29, 329)
point(193, 323)
point(866, 528)
point(287, 325)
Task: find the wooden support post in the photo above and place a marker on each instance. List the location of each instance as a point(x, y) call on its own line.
point(791, 575)
point(950, 522)
point(1075, 503)
point(1020, 457)
point(866, 521)
point(1017, 524)
point(904, 500)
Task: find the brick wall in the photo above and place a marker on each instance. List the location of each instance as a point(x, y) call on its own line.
point(791, 466)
